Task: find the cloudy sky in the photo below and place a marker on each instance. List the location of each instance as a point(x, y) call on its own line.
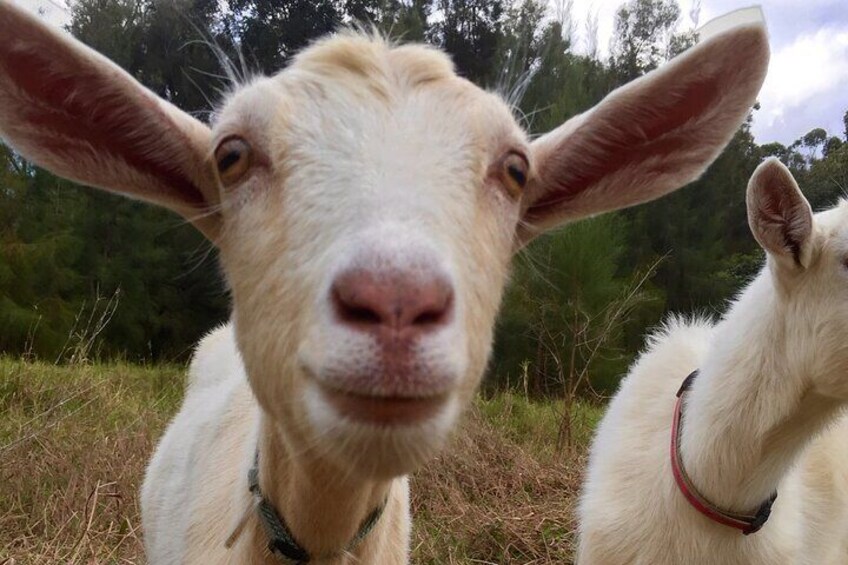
point(807, 83)
point(54, 11)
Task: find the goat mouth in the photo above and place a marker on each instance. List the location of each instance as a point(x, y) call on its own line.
point(384, 411)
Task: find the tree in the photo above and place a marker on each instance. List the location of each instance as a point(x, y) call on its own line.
point(271, 31)
point(775, 149)
point(845, 124)
point(561, 319)
point(814, 141)
point(832, 144)
point(471, 31)
point(826, 180)
point(520, 48)
point(641, 36)
point(166, 45)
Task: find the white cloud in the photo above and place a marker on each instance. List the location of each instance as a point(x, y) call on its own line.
point(810, 71)
point(54, 12)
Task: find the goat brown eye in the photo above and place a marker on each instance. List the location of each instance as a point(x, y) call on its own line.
point(515, 167)
point(233, 158)
point(517, 175)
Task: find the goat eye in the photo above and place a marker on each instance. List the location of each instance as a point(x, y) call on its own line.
point(233, 157)
point(515, 167)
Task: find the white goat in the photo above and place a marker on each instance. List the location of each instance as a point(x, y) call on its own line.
point(366, 203)
point(764, 413)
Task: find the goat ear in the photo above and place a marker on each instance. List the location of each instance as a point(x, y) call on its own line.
point(653, 135)
point(77, 114)
point(779, 215)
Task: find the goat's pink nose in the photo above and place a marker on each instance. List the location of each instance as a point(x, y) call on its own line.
point(393, 301)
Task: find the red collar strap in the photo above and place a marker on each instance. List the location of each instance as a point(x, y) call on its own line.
point(747, 523)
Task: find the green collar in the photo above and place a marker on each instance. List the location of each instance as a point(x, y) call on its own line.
point(281, 541)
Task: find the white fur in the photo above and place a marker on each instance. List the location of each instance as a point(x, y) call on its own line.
point(765, 412)
point(216, 371)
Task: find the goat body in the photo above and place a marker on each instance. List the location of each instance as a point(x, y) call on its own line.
point(765, 412)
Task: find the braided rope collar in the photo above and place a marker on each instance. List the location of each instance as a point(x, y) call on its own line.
point(281, 542)
point(747, 523)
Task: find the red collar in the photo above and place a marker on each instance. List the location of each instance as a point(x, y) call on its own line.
point(747, 523)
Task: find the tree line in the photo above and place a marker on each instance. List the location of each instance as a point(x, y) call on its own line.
point(83, 273)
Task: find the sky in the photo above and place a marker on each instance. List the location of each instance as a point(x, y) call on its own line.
point(807, 82)
point(54, 11)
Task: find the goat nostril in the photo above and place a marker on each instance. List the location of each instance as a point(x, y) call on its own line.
point(351, 311)
point(436, 314)
point(369, 301)
point(361, 316)
point(428, 318)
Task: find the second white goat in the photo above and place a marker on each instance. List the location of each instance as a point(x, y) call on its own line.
point(764, 414)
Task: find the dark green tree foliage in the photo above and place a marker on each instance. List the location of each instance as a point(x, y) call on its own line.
point(642, 37)
point(775, 149)
point(580, 300)
point(394, 18)
point(814, 142)
point(165, 45)
point(471, 31)
point(410, 21)
point(825, 181)
point(36, 280)
point(845, 124)
point(520, 48)
point(271, 31)
point(564, 291)
point(832, 144)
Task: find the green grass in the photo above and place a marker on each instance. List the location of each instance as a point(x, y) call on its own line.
point(534, 424)
point(74, 442)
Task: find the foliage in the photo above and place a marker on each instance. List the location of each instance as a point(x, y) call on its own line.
point(643, 31)
point(471, 31)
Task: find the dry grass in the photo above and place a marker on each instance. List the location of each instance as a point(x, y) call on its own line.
point(74, 442)
point(73, 445)
point(501, 494)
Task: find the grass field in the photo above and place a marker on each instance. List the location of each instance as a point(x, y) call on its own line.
point(74, 442)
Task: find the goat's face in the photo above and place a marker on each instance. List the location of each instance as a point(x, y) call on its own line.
point(366, 202)
point(367, 244)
